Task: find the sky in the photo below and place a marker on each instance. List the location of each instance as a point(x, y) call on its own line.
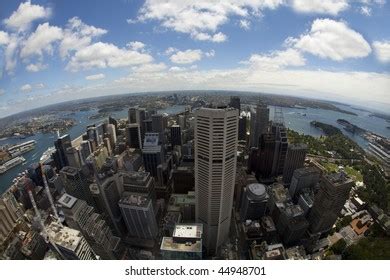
point(54, 51)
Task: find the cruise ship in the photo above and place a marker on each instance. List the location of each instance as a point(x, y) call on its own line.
point(47, 154)
point(22, 148)
point(11, 163)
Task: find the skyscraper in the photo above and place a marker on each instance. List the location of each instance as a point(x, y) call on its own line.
point(176, 139)
point(259, 123)
point(8, 219)
point(139, 215)
point(235, 103)
point(242, 128)
point(152, 153)
point(79, 215)
point(61, 144)
point(133, 136)
point(295, 159)
point(76, 184)
point(329, 201)
point(70, 242)
point(254, 202)
point(303, 178)
point(215, 170)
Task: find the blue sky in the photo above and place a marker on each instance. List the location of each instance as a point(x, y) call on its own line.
point(53, 51)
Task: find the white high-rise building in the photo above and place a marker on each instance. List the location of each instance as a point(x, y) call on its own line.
point(215, 171)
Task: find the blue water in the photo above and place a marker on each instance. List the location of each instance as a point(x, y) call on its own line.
point(293, 119)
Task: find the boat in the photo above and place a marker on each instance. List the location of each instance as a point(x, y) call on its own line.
point(11, 163)
point(47, 154)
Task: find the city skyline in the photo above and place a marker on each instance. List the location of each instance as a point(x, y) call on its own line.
point(52, 51)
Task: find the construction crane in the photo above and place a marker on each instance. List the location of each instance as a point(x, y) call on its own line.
point(48, 193)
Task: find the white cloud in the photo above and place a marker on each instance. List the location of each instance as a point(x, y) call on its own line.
point(136, 45)
point(36, 67)
point(26, 88)
point(10, 53)
point(276, 60)
point(95, 77)
point(4, 38)
point(2, 91)
point(382, 50)
point(366, 11)
point(150, 68)
point(186, 57)
point(245, 24)
point(332, 7)
point(40, 41)
point(77, 35)
point(332, 39)
point(103, 55)
point(26, 13)
point(170, 50)
point(210, 53)
point(201, 19)
point(39, 86)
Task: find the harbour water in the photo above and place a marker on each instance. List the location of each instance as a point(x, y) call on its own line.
point(294, 118)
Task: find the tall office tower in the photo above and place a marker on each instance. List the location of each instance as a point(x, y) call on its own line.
point(254, 202)
point(235, 103)
point(100, 133)
point(242, 128)
point(73, 158)
point(133, 136)
point(92, 136)
point(76, 184)
point(107, 144)
point(181, 120)
point(281, 146)
point(148, 125)
point(292, 223)
point(159, 123)
point(138, 116)
point(112, 132)
point(185, 243)
point(278, 195)
point(295, 158)
point(152, 153)
point(183, 179)
point(139, 182)
point(215, 171)
point(61, 144)
point(303, 178)
point(85, 150)
point(79, 215)
point(139, 215)
point(35, 174)
point(265, 156)
point(113, 122)
point(259, 123)
point(176, 139)
point(8, 219)
point(132, 115)
point(329, 201)
point(107, 194)
point(70, 242)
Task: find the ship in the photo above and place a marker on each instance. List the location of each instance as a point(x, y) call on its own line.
point(11, 163)
point(47, 154)
point(22, 148)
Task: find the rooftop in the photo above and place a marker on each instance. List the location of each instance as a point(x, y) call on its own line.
point(64, 236)
point(168, 244)
point(67, 200)
point(140, 200)
point(188, 231)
